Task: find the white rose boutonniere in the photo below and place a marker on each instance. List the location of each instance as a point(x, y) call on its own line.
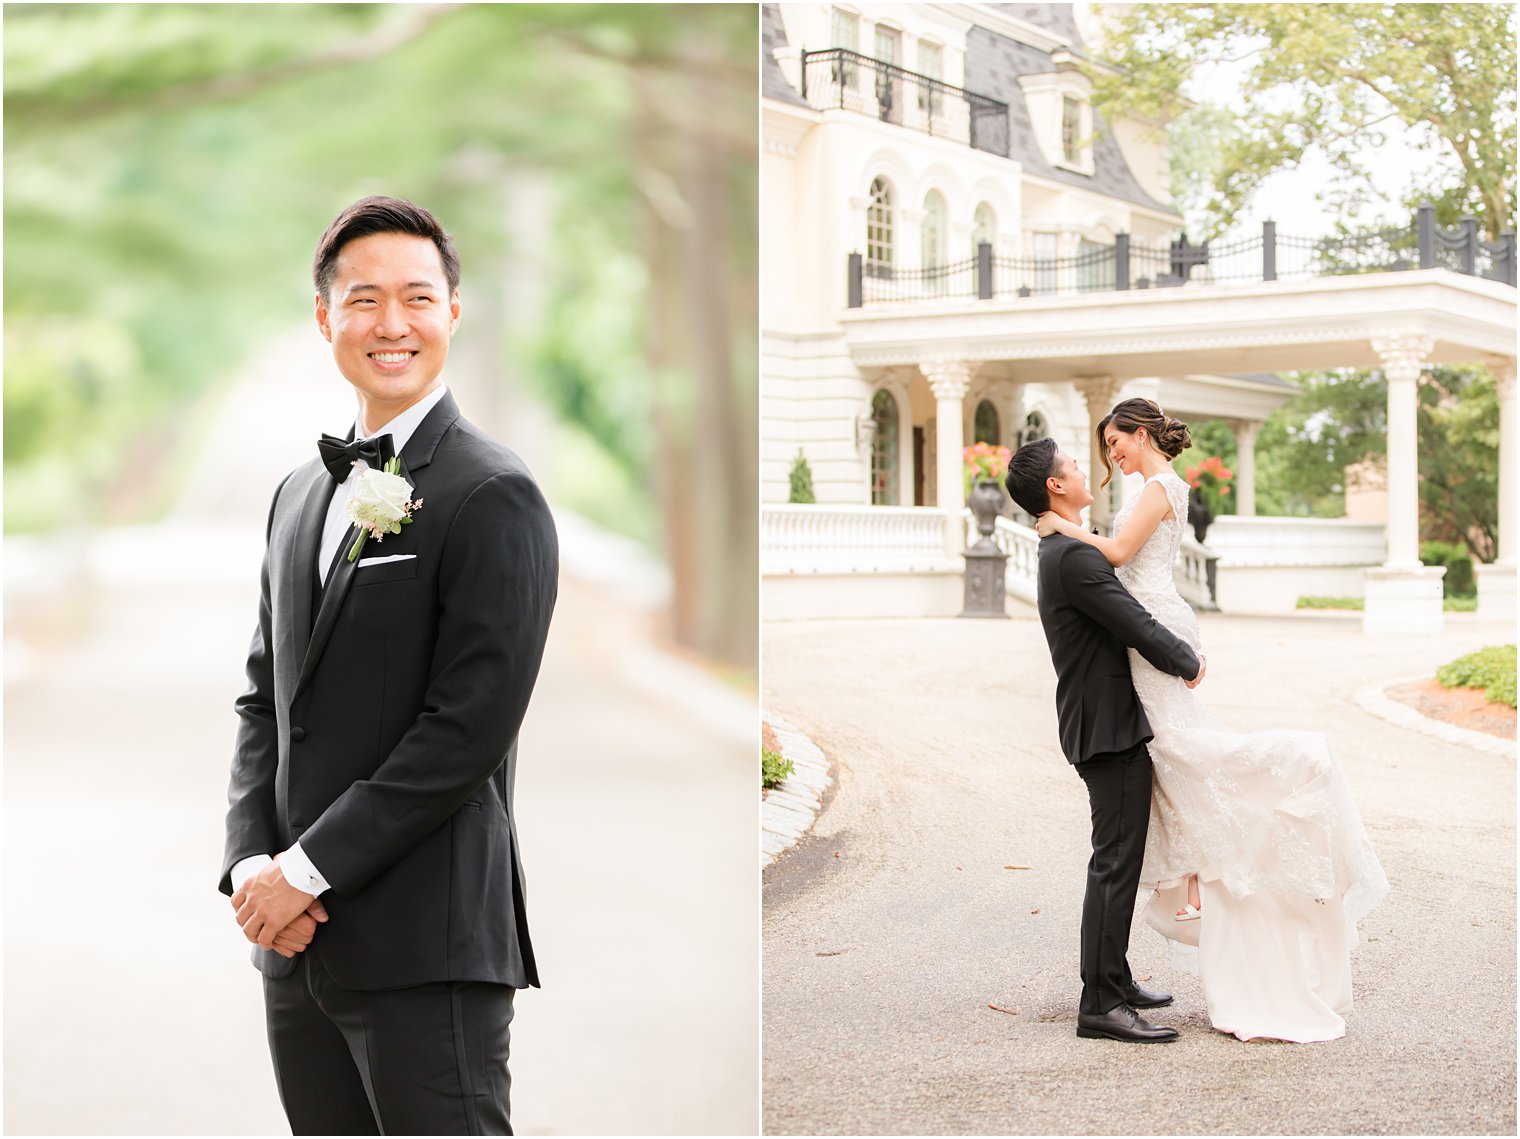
point(379, 505)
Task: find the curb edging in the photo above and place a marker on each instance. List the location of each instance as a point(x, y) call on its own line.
point(789, 811)
point(1372, 699)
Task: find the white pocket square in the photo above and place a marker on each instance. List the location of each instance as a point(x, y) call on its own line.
point(381, 561)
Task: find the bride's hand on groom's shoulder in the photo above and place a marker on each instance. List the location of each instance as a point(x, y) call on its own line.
point(1045, 524)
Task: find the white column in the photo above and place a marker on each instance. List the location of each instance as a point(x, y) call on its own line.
point(1496, 582)
point(1402, 596)
point(949, 380)
point(1245, 465)
point(1504, 387)
point(1100, 392)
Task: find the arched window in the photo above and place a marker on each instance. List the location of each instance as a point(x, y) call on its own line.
point(985, 425)
point(932, 238)
point(984, 228)
point(884, 450)
point(879, 231)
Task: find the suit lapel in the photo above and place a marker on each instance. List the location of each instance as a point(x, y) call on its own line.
point(417, 454)
point(303, 553)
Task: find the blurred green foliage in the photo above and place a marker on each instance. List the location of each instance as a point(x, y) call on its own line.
point(168, 169)
point(1491, 669)
point(1324, 78)
point(1340, 418)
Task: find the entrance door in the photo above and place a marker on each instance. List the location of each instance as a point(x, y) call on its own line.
point(918, 466)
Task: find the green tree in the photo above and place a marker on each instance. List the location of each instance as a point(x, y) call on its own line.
point(801, 479)
point(1326, 78)
point(167, 175)
point(1339, 418)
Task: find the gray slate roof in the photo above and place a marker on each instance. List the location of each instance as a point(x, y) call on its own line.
point(773, 84)
point(1054, 18)
point(993, 66)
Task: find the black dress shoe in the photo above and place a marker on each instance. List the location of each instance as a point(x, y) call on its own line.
point(1123, 1023)
point(1136, 997)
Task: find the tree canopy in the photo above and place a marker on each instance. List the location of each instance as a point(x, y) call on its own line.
point(168, 169)
point(1326, 78)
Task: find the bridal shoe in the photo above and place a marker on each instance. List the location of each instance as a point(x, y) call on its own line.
point(1189, 912)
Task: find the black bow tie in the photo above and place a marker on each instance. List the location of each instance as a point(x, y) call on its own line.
point(339, 455)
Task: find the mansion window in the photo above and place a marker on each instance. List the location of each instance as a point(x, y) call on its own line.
point(932, 238)
point(879, 230)
point(1071, 129)
point(888, 83)
point(1044, 263)
point(884, 450)
point(983, 230)
point(931, 62)
point(845, 33)
point(984, 424)
point(1095, 266)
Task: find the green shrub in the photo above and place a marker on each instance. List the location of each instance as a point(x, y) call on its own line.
point(1491, 669)
point(801, 479)
point(773, 769)
point(1449, 604)
point(1459, 581)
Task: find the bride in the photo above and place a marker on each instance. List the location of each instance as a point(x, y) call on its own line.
point(1258, 859)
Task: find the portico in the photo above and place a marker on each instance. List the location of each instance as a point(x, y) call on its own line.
point(1153, 342)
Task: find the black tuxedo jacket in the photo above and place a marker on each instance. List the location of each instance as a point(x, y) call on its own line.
point(1089, 620)
point(380, 722)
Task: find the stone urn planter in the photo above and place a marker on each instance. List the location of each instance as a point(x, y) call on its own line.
point(985, 563)
point(986, 502)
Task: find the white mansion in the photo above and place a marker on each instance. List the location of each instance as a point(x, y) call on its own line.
point(958, 248)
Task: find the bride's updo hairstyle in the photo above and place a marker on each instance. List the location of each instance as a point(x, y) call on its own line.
point(1170, 436)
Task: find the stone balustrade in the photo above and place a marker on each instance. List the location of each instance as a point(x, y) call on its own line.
point(846, 538)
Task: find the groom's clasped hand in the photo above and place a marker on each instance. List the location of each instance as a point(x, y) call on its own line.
point(276, 915)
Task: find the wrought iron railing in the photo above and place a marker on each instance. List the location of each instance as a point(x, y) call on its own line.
point(854, 82)
point(1129, 264)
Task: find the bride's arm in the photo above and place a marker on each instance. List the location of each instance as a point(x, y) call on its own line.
point(1149, 511)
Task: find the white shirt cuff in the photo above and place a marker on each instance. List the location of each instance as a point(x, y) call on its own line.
point(299, 871)
point(246, 868)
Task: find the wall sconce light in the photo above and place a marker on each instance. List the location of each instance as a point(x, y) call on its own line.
point(865, 429)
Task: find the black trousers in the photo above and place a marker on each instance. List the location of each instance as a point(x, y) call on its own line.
point(1119, 792)
point(426, 1060)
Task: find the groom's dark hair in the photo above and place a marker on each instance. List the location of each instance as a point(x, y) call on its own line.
point(1030, 466)
point(377, 214)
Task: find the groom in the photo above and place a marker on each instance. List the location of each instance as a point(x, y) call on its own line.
point(371, 849)
point(1089, 621)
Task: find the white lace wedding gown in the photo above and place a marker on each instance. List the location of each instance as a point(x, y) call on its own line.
point(1266, 821)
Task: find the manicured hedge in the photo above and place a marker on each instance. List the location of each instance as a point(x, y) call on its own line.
point(1491, 669)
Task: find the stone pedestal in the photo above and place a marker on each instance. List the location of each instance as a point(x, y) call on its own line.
point(986, 567)
point(1496, 591)
point(1404, 600)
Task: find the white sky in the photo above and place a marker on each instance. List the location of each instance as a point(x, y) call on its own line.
point(1288, 197)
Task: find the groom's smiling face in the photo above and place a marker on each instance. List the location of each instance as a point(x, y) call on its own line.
point(389, 317)
point(1070, 483)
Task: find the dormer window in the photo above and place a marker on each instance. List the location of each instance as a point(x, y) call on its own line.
point(1060, 110)
point(1071, 129)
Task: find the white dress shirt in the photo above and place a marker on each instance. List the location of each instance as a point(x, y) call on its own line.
point(294, 864)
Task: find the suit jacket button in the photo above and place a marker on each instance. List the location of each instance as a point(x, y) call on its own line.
point(297, 735)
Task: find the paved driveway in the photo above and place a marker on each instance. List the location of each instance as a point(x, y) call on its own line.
point(890, 931)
